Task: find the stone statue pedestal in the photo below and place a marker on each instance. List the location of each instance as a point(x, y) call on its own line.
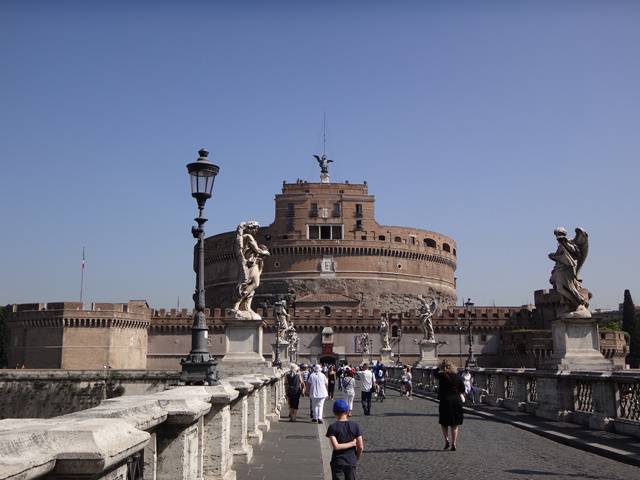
point(324, 178)
point(243, 339)
point(428, 354)
point(283, 350)
point(576, 345)
point(385, 356)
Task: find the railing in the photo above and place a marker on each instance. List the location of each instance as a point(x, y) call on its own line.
point(178, 434)
point(601, 400)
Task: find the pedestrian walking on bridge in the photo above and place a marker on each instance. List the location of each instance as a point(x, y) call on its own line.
point(366, 377)
point(295, 388)
point(450, 394)
point(318, 392)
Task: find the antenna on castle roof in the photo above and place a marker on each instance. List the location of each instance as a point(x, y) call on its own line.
point(324, 133)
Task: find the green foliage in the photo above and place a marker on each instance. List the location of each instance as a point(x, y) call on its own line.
point(613, 325)
point(631, 325)
point(628, 313)
point(4, 337)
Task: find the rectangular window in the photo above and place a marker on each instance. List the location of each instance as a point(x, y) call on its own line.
point(412, 239)
point(358, 210)
point(336, 210)
point(325, 232)
point(290, 210)
point(314, 210)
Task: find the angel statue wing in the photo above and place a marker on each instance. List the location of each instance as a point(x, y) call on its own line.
point(317, 157)
point(581, 241)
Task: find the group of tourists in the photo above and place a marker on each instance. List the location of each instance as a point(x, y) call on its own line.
point(318, 382)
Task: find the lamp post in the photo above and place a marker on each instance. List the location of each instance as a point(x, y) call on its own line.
point(460, 329)
point(471, 360)
point(199, 367)
point(399, 340)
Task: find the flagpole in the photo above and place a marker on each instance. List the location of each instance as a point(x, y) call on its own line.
point(82, 275)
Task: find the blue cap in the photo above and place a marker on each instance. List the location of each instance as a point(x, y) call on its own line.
point(340, 406)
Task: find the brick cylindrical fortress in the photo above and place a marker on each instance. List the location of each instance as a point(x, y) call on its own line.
point(327, 249)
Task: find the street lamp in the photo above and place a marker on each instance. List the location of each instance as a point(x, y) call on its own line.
point(471, 360)
point(399, 340)
point(199, 367)
point(460, 329)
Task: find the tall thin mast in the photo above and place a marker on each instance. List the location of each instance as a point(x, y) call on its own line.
point(82, 275)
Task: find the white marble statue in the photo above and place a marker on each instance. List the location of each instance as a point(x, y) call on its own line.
point(427, 311)
point(281, 317)
point(384, 333)
point(250, 257)
point(569, 258)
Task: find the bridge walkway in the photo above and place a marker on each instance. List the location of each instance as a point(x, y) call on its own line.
point(403, 441)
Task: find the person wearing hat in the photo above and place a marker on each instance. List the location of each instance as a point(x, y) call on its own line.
point(317, 392)
point(347, 443)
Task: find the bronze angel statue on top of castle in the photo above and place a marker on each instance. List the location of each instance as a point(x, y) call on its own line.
point(324, 162)
point(569, 258)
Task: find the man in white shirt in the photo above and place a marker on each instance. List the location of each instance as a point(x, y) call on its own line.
point(366, 377)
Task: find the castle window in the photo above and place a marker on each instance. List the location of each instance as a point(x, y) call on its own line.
point(363, 237)
point(446, 247)
point(313, 212)
point(324, 232)
point(397, 240)
point(412, 239)
point(336, 210)
point(327, 310)
point(382, 238)
point(358, 224)
point(430, 242)
point(290, 210)
point(358, 210)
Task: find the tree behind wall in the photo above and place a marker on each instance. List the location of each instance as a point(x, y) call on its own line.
point(630, 324)
point(4, 337)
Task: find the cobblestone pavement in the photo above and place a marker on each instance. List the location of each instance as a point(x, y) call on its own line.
point(403, 441)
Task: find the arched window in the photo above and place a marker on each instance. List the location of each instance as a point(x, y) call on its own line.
point(327, 310)
point(382, 238)
point(397, 240)
point(430, 242)
point(446, 247)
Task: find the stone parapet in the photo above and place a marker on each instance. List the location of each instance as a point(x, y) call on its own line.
point(599, 400)
point(178, 434)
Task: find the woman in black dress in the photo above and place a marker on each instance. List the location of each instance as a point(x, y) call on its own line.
point(295, 388)
point(450, 390)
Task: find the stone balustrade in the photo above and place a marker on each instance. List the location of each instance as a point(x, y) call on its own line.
point(600, 400)
point(188, 432)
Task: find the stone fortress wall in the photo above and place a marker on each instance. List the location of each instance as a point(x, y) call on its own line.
point(63, 334)
point(325, 240)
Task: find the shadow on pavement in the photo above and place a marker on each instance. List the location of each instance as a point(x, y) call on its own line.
point(518, 471)
point(404, 450)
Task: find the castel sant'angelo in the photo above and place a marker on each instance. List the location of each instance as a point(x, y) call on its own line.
point(339, 271)
point(328, 250)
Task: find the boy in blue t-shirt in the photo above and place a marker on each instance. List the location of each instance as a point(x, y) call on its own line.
point(346, 439)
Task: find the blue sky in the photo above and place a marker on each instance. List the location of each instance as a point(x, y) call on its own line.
point(491, 122)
